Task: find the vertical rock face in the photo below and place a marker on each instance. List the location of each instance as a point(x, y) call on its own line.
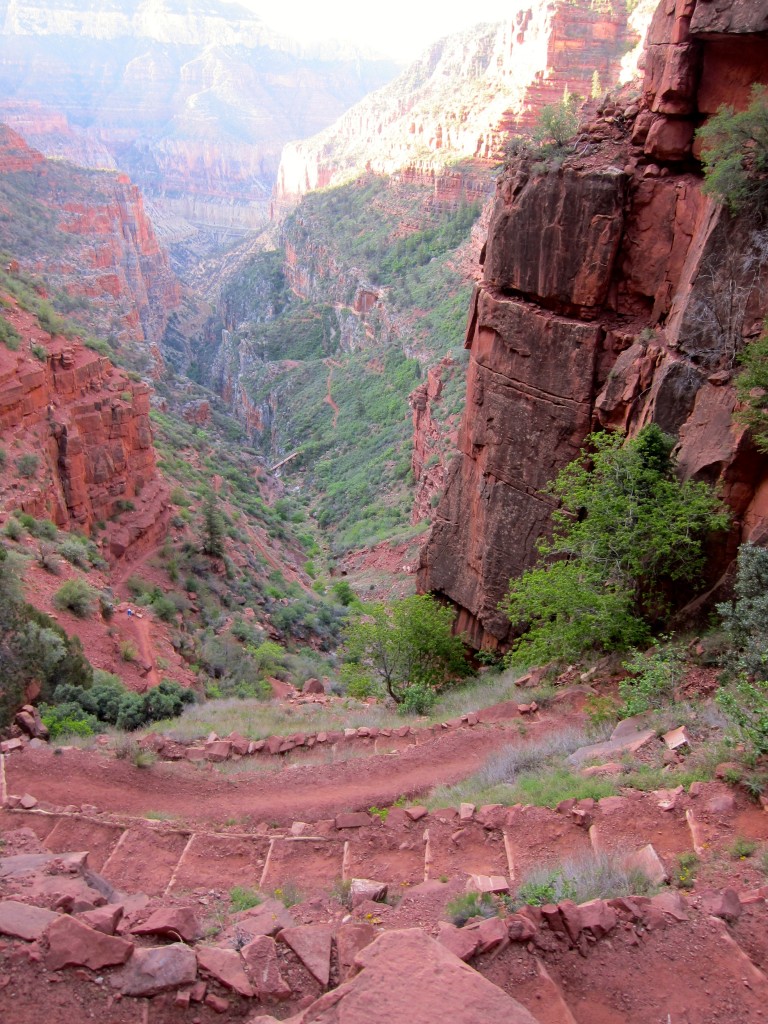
point(88, 423)
point(89, 233)
point(615, 293)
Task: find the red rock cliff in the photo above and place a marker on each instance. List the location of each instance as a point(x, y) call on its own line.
point(88, 233)
point(614, 293)
point(465, 94)
point(88, 424)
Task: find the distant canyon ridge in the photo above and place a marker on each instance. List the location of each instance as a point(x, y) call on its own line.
point(207, 109)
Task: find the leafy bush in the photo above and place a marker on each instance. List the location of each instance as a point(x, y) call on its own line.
point(9, 336)
point(735, 154)
point(75, 596)
point(745, 619)
point(746, 704)
point(27, 465)
point(242, 898)
point(558, 122)
point(68, 719)
point(13, 529)
point(652, 680)
point(108, 701)
point(752, 389)
point(626, 536)
point(408, 644)
point(468, 905)
point(589, 877)
point(418, 699)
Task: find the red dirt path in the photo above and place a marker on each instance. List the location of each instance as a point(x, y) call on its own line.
point(301, 792)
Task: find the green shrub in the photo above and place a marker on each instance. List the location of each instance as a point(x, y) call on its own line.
point(626, 533)
point(242, 898)
point(589, 877)
point(470, 904)
point(13, 529)
point(652, 680)
point(75, 596)
point(69, 718)
point(408, 643)
point(745, 619)
point(40, 352)
point(9, 336)
point(746, 704)
point(418, 699)
point(735, 154)
point(558, 122)
point(128, 650)
point(27, 465)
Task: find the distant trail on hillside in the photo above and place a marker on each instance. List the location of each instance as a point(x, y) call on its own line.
point(329, 397)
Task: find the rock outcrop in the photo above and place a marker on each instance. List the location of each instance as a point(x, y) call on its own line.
point(615, 293)
point(89, 235)
point(87, 424)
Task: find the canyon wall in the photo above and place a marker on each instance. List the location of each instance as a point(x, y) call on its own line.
point(87, 423)
point(88, 234)
point(467, 92)
point(194, 101)
point(614, 294)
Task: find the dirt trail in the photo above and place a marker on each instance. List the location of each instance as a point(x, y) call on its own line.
point(300, 792)
point(329, 397)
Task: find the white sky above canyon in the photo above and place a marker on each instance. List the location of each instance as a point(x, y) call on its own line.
point(394, 28)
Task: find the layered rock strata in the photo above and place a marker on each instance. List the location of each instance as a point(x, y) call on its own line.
point(88, 425)
point(615, 293)
point(465, 94)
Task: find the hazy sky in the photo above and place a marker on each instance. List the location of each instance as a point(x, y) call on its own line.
point(396, 28)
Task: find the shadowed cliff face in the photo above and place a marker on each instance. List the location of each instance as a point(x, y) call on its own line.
point(614, 294)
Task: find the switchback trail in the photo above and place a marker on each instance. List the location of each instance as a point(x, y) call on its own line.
point(260, 793)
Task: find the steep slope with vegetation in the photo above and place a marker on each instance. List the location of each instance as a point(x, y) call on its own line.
point(323, 343)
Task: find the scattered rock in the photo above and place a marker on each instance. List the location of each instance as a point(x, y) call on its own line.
point(268, 918)
point(73, 944)
point(723, 904)
point(487, 883)
point(362, 889)
point(103, 919)
point(155, 970)
point(217, 1003)
point(21, 921)
point(416, 813)
point(649, 862)
point(312, 945)
point(313, 686)
point(350, 939)
point(262, 966)
point(27, 801)
point(352, 819)
point(677, 738)
point(175, 921)
point(462, 942)
point(466, 812)
point(226, 966)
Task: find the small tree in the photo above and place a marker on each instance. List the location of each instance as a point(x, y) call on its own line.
point(558, 122)
point(746, 617)
point(752, 389)
point(625, 532)
point(407, 643)
point(735, 154)
point(213, 528)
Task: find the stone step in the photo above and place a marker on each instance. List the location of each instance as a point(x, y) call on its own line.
point(309, 865)
point(99, 839)
point(215, 861)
